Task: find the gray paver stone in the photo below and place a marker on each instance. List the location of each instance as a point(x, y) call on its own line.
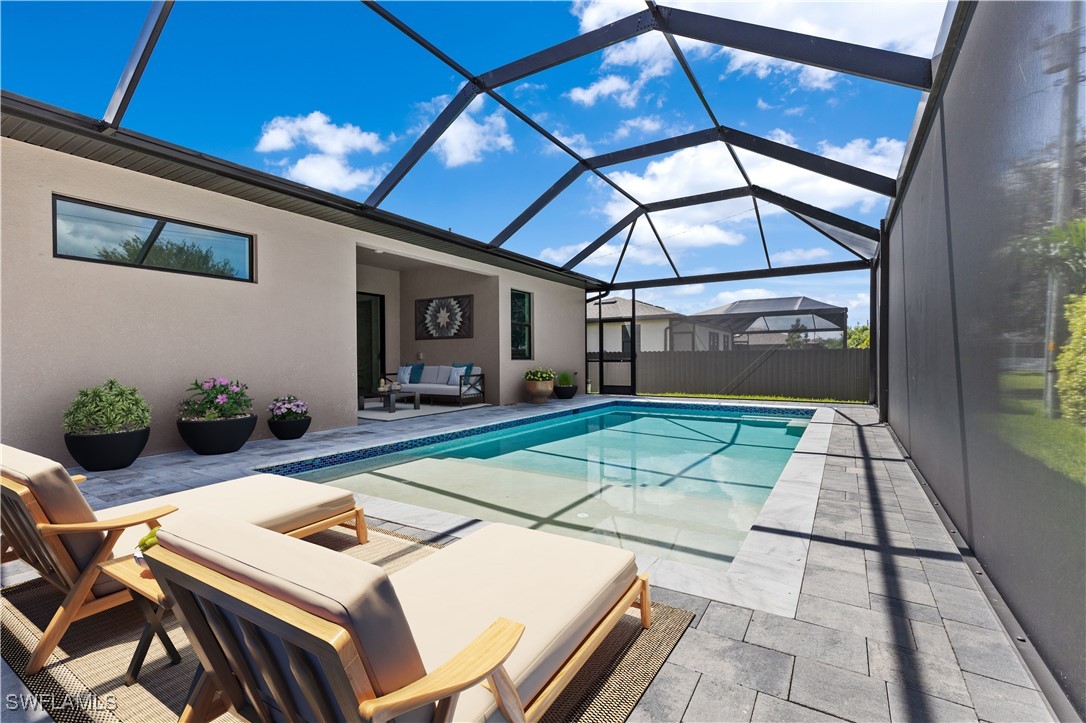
point(717, 701)
point(964, 606)
point(667, 696)
point(839, 692)
point(683, 600)
point(846, 586)
point(862, 621)
point(908, 704)
point(927, 673)
point(1001, 702)
point(987, 652)
point(734, 662)
point(768, 709)
point(796, 637)
point(727, 621)
point(906, 609)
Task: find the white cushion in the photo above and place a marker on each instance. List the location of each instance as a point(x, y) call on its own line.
point(558, 587)
point(276, 503)
point(454, 376)
point(403, 375)
point(441, 390)
point(429, 375)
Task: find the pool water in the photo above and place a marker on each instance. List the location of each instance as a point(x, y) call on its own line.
point(683, 485)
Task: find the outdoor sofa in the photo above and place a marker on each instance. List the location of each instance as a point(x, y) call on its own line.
point(47, 523)
point(293, 631)
point(437, 382)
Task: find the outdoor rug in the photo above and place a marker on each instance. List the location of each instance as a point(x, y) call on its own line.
point(376, 412)
point(83, 680)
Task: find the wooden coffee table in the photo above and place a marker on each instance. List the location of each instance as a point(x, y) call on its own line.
point(151, 602)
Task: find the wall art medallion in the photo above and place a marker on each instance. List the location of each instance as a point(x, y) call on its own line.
point(446, 317)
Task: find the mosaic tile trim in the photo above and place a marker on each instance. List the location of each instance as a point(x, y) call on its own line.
point(355, 455)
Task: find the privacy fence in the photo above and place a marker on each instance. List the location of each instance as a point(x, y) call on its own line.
point(841, 374)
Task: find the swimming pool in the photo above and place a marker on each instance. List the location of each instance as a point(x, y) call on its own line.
point(682, 483)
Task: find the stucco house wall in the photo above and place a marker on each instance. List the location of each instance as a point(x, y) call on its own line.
point(67, 324)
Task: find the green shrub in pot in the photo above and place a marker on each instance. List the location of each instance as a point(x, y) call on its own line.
point(107, 426)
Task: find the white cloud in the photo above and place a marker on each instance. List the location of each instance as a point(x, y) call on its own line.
point(606, 87)
point(472, 135)
point(796, 110)
point(691, 290)
point(333, 173)
point(577, 142)
point(328, 167)
point(782, 136)
point(317, 130)
point(792, 256)
point(762, 105)
point(641, 124)
point(527, 87)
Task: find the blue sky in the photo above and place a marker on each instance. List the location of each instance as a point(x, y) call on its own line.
point(330, 95)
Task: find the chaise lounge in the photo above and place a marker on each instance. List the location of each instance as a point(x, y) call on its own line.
point(47, 523)
point(293, 631)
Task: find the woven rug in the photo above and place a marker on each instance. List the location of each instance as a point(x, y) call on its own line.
point(83, 680)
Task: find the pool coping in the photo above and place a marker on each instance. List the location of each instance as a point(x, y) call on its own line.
point(767, 571)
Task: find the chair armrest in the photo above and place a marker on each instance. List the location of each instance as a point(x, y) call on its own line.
point(79, 478)
point(475, 662)
point(471, 381)
point(119, 523)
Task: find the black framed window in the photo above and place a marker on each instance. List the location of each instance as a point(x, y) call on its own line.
point(521, 318)
point(628, 340)
point(714, 341)
point(93, 232)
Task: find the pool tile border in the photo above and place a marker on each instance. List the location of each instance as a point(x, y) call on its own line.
point(354, 455)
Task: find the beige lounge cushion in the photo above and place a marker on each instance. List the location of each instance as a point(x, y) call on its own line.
point(330, 585)
point(58, 496)
point(558, 587)
point(276, 503)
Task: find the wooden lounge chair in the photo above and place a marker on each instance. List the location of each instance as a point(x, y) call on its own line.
point(47, 523)
point(290, 631)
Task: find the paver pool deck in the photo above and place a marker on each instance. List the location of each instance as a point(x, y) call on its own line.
point(890, 622)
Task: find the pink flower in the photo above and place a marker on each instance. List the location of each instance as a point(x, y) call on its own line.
point(207, 385)
point(222, 381)
point(235, 388)
point(221, 399)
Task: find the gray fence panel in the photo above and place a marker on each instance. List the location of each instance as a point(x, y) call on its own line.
point(841, 374)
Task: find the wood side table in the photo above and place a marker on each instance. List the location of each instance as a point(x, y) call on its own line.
point(151, 602)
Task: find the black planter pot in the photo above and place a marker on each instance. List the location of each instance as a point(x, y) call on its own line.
point(219, 436)
point(289, 428)
point(98, 452)
point(565, 392)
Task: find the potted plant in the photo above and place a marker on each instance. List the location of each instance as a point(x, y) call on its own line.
point(564, 386)
point(107, 426)
point(289, 417)
point(217, 417)
point(539, 383)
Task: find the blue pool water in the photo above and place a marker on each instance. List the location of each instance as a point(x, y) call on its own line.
point(681, 484)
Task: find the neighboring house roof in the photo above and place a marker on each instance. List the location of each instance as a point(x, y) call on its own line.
point(781, 306)
point(619, 307)
point(773, 315)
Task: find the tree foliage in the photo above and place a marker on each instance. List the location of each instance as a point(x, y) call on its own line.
point(167, 254)
point(797, 336)
point(859, 337)
point(1071, 362)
